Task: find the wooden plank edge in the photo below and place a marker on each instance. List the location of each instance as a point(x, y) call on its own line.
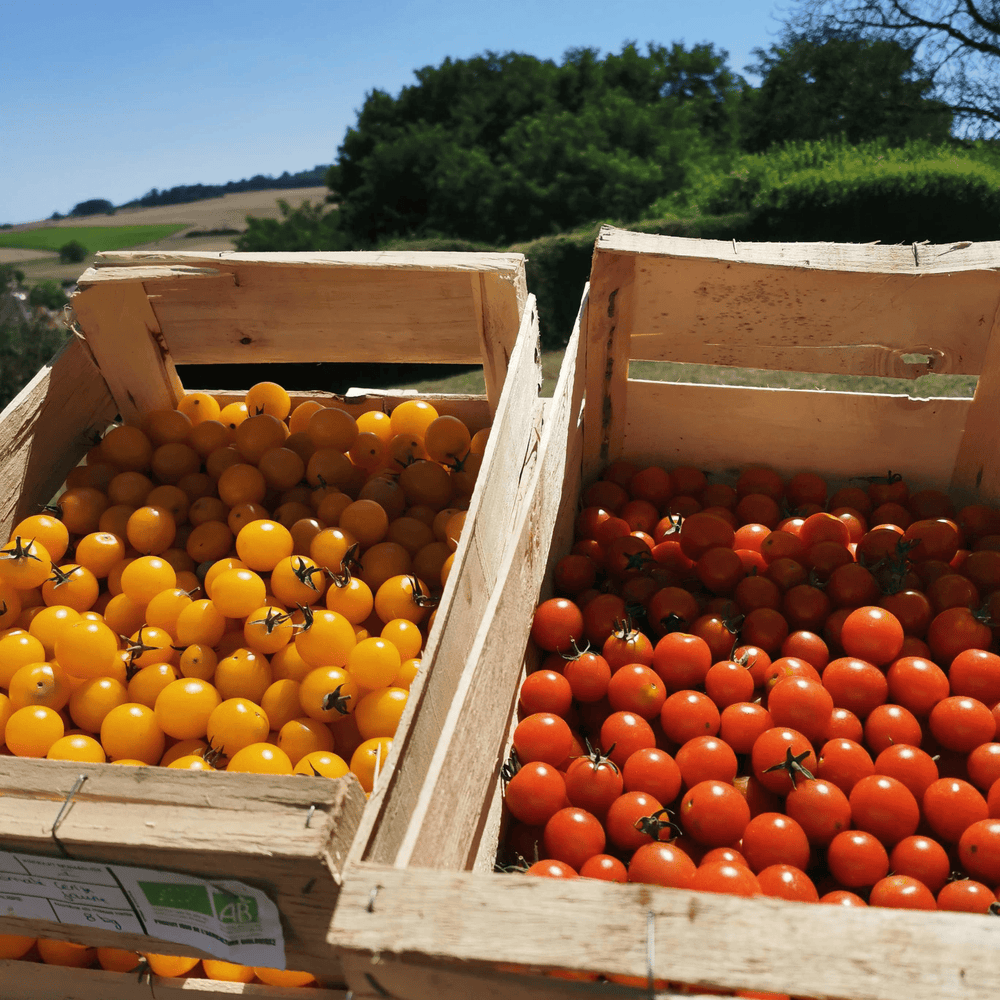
point(700, 939)
point(44, 430)
point(149, 272)
point(397, 784)
point(977, 467)
point(510, 264)
point(838, 435)
point(608, 332)
point(448, 839)
point(917, 258)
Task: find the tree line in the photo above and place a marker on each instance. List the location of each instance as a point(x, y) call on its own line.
point(182, 194)
point(506, 147)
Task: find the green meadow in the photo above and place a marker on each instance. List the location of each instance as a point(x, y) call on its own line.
point(94, 238)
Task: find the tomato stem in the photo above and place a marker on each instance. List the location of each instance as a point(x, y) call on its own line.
point(793, 765)
point(511, 767)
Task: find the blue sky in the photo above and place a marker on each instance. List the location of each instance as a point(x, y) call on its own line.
point(110, 99)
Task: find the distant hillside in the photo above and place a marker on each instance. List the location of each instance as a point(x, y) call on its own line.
point(186, 193)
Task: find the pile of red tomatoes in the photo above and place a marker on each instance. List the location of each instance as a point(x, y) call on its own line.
point(762, 688)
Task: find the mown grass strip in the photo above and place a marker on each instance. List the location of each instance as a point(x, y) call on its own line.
point(927, 386)
point(94, 238)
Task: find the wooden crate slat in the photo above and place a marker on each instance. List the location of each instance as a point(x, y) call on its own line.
point(464, 600)
point(703, 939)
point(304, 315)
point(841, 434)
point(923, 258)
point(499, 311)
point(213, 824)
point(977, 467)
point(812, 320)
point(465, 767)
point(151, 272)
point(46, 429)
point(126, 341)
point(440, 308)
point(607, 331)
point(54, 982)
point(509, 264)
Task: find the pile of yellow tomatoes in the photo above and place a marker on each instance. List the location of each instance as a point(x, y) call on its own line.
point(244, 587)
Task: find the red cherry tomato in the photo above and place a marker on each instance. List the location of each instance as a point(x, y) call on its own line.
point(556, 625)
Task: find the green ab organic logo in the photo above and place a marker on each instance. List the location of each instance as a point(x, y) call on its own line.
point(235, 909)
point(229, 908)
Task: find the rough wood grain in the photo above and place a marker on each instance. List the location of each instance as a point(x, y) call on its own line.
point(492, 511)
point(213, 824)
point(46, 429)
point(501, 305)
point(465, 768)
point(608, 328)
point(977, 467)
point(270, 308)
point(838, 434)
point(148, 272)
point(510, 264)
point(702, 939)
point(759, 315)
point(924, 258)
point(127, 344)
point(33, 981)
point(305, 315)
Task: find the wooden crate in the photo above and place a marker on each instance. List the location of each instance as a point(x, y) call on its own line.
point(141, 314)
point(420, 915)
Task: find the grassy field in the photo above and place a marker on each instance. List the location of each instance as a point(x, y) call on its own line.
point(927, 386)
point(179, 227)
point(94, 238)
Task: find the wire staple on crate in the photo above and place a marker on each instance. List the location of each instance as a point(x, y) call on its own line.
point(77, 785)
point(377, 986)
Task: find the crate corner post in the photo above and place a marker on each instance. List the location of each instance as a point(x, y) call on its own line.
point(124, 336)
point(501, 301)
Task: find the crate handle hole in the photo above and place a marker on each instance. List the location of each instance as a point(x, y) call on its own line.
point(917, 359)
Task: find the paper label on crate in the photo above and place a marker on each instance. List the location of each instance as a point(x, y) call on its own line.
point(228, 919)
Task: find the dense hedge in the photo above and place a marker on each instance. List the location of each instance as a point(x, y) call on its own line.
point(897, 203)
point(832, 190)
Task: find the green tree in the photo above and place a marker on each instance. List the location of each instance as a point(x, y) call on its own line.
point(307, 227)
point(504, 147)
point(72, 252)
point(94, 206)
point(26, 344)
point(48, 294)
point(956, 43)
point(825, 85)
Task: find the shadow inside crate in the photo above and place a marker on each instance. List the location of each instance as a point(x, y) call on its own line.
point(323, 376)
